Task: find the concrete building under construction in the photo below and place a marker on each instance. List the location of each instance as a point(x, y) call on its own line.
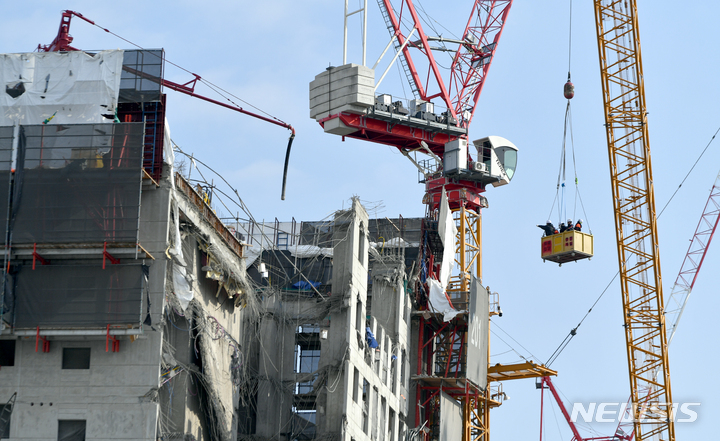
point(130, 310)
point(119, 281)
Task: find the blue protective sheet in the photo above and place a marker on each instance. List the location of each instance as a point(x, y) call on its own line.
point(305, 285)
point(370, 337)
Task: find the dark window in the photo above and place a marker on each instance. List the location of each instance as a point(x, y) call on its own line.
point(76, 358)
point(391, 425)
point(366, 405)
point(359, 322)
point(361, 245)
point(71, 430)
point(356, 385)
point(16, 90)
point(7, 352)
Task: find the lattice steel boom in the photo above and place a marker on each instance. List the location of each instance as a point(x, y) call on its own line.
point(635, 217)
point(693, 259)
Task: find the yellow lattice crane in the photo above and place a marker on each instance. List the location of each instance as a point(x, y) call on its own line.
point(635, 217)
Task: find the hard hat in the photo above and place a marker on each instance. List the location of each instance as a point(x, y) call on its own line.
point(569, 221)
point(580, 221)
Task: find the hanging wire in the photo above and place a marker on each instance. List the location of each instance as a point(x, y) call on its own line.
point(573, 331)
point(513, 339)
point(578, 196)
point(570, 41)
point(560, 196)
point(217, 89)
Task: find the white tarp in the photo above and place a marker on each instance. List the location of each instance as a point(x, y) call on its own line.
point(395, 242)
point(251, 254)
point(76, 87)
point(451, 418)
point(169, 153)
point(477, 347)
point(183, 292)
point(299, 251)
point(447, 231)
point(439, 301)
point(305, 251)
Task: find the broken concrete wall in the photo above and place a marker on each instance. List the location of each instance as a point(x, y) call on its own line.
point(208, 299)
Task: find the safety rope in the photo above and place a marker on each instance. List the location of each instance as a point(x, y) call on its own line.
point(560, 191)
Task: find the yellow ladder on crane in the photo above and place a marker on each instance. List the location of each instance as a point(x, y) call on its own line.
point(635, 217)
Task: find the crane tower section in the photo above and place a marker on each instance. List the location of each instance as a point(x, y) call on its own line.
point(455, 387)
point(635, 217)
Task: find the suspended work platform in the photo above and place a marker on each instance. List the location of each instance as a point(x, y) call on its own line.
point(569, 246)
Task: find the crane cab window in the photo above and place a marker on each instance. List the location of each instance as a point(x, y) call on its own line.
point(509, 161)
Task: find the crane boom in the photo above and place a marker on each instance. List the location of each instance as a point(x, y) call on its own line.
point(693, 259)
point(546, 382)
point(471, 61)
point(635, 217)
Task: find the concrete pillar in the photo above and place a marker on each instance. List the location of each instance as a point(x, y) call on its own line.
point(350, 262)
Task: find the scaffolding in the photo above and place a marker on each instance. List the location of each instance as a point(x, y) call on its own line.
point(71, 205)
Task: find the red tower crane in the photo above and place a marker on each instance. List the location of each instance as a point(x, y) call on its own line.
point(345, 101)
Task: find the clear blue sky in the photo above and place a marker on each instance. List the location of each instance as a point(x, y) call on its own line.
point(267, 52)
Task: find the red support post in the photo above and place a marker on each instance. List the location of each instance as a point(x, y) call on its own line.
point(111, 342)
point(36, 257)
point(109, 256)
point(44, 340)
point(430, 340)
point(462, 346)
point(449, 359)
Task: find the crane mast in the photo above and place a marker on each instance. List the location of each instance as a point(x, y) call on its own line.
point(452, 374)
point(635, 217)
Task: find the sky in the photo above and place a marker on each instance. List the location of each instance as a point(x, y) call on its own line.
point(266, 53)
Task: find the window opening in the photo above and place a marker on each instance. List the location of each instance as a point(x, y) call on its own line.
point(307, 356)
point(76, 358)
point(356, 385)
point(366, 405)
point(71, 430)
point(7, 353)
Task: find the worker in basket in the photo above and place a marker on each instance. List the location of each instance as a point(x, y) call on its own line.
point(566, 226)
point(578, 225)
point(548, 228)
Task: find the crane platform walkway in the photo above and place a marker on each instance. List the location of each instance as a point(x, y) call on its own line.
point(517, 371)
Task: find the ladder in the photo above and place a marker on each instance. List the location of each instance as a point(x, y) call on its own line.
point(283, 241)
point(402, 59)
point(5, 414)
